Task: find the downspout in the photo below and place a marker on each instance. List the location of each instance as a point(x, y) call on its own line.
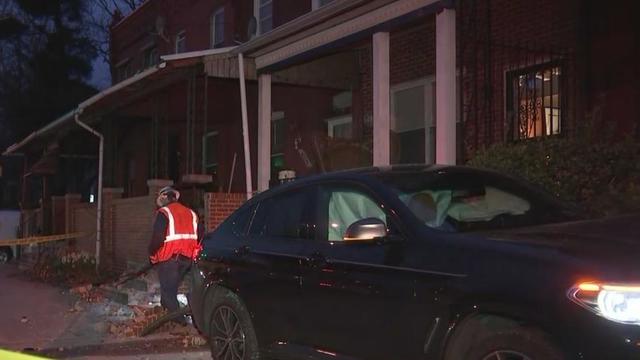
point(245, 127)
point(100, 165)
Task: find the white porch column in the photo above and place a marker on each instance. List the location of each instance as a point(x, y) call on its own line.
point(381, 111)
point(446, 87)
point(264, 131)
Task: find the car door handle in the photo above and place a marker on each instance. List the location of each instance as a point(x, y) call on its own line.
point(316, 260)
point(243, 250)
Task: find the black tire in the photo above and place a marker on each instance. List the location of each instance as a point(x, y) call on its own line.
point(231, 332)
point(6, 254)
point(509, 340)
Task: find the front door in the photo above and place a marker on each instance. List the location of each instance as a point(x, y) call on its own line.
point(359, 300)
point(270, 261)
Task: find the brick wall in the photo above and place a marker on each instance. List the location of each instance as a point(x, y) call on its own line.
point(219, 206)
point(84, 221)
point(131, 230)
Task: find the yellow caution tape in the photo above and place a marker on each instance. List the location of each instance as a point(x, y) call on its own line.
point(40, 239)
point(8, 355)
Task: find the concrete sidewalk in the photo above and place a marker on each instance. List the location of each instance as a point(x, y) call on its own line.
point(167, 356)
point(34, 315)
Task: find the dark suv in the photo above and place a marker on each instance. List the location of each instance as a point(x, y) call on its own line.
point(418, 262)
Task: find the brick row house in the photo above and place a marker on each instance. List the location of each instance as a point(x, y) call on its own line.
point(329, 85)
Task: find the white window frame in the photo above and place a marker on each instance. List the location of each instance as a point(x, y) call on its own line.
point(205, 137)
point(429, 114)
point(213, 23)
point(336, 121)
point(181, 37)
point(257, 4)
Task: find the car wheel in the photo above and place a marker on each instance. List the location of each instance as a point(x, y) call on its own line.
point(5, 255)
point(506, 341)
point(231, 333)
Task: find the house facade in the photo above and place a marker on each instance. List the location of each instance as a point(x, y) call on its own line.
point(329, 85)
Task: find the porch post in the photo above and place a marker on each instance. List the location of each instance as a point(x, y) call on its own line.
point(446, 87)
point(381, 112)
point(264, 131)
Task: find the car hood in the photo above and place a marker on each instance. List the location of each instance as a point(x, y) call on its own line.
point(607, 240)
point(606, 232)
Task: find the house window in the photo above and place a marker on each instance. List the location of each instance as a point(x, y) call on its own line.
point(124, 71)
point(150, 57)
point(217, 28)
point(264, 15)
point(181, 42)
point(278, 134)
point(316, 4)
point(340, 127)
point(412, 122)
point(534, 101)
point(210, 151)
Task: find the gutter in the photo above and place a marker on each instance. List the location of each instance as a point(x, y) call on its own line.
point(100, 168)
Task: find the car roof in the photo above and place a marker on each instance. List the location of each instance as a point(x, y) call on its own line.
point(364, 173)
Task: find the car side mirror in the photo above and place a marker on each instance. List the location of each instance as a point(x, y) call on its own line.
point(366, 229)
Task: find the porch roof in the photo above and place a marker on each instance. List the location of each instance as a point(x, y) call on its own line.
point(336, 24)
point(217, 63)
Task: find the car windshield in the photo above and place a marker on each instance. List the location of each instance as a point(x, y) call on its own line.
point(461, 201)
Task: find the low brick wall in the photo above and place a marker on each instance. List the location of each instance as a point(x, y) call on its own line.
point(84, 220)
point(131, 229)
point(219, 206)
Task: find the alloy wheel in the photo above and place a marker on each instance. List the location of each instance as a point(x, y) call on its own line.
point(506, 355)
point(227, 335)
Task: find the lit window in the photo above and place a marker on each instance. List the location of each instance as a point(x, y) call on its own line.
point(264, 15)
point(217, 28)
point(535, 101)
point(181, 42)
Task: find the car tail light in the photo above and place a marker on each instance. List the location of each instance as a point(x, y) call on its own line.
point(616, 302)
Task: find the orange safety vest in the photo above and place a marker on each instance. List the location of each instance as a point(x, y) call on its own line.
point(181, 237)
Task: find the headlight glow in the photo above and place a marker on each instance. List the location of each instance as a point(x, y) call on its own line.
point(619, 303)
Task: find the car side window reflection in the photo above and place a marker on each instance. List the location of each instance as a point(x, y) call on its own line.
point(346, 206)
point(285, 216)
point(242, 220)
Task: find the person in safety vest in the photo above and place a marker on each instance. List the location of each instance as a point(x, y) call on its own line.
point(174, 244)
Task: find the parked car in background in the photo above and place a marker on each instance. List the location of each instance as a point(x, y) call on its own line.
point(418, 262)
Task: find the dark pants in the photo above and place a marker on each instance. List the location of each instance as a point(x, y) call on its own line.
point(171, 273)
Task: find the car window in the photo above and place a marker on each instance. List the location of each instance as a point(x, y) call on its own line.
point(346, 206)
point(285, 215)
point(472, 201)
point(242, 219)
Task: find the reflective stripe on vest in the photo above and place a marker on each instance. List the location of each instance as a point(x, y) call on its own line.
point(181, 236)
point(171, 230)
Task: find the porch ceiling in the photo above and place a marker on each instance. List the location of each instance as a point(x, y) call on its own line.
point(344, 22)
